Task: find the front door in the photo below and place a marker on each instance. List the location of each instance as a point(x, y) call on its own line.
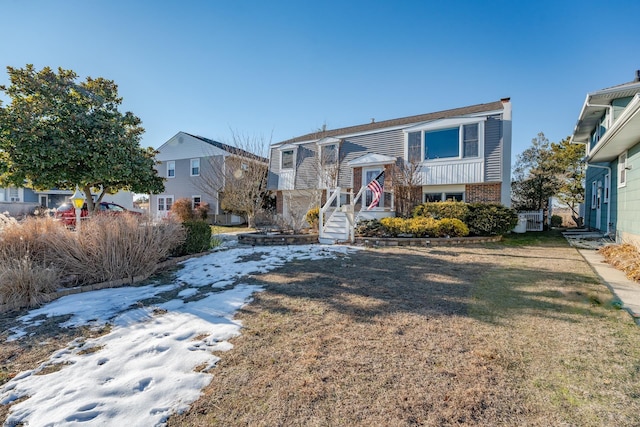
point(44, 200)
point(368, 175)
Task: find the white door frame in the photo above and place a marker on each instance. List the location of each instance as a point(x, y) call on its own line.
point(46, 200)
point(367, 197)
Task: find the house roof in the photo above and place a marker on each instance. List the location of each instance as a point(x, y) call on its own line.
point(595, 105)
point(473, 109)
point(229, 148)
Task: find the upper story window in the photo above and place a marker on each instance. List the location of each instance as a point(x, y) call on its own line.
point(599, 130)
point(286, 159)
point(171, 169)
point(195, 167)
point(622, 169)
point(329, 154)
point(459, 141)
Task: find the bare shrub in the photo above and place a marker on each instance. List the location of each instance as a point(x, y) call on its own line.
point(182, 210)
point(110, 248)
point(24, 281)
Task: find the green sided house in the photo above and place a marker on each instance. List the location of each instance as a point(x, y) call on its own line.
point(609, 126)
point(458, 154)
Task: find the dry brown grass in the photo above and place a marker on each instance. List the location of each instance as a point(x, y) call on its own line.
point(500, 335)
point(24, 281)
point(37, 253)
point(486, 336)
point(110, 248)
point(624, 257)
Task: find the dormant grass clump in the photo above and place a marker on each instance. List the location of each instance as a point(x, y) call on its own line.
point(624, 257)
point(39, 254)
point(110, 248)
point(27, 272)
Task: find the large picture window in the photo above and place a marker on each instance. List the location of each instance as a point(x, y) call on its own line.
point(442, 143)
point(459, 142)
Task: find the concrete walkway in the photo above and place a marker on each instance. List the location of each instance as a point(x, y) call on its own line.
point(627, 290)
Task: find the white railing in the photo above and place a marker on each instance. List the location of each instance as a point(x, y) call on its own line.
point(323, 210)
point(535, 219)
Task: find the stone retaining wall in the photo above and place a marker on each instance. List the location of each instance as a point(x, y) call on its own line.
point(426, 241)
point(257, 239)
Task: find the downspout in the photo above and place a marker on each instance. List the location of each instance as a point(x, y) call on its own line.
point(609, 202)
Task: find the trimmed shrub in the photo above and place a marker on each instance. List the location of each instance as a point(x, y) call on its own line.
point(418, 227)
point(198, 238)
point(451, 227)
point(312, 217)
point(490, 219)
point(556, 221)
point(182, 210)
point(440, 210)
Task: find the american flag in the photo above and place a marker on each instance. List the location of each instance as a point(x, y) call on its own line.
point(376, 188)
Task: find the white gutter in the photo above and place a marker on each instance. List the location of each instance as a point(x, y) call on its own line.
point(629, 112)
point(609, 106)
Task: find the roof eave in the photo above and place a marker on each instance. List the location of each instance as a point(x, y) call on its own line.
point(624, 134)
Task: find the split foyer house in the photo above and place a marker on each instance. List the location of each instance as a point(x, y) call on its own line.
point(459, 154)
point(609, 126)
point(195, 168)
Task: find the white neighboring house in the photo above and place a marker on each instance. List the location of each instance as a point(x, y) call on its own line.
point(186, 163)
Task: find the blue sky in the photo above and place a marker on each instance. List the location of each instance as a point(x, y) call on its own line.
point(279, 69)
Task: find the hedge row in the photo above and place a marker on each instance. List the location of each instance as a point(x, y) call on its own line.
point(440, 219)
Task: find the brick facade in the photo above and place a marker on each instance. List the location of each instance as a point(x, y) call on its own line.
point(279, 201)
point(483, 193)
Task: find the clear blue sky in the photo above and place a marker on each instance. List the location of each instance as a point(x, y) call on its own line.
point(284, 68)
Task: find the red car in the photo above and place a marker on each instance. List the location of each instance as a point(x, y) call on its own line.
point(67, 213)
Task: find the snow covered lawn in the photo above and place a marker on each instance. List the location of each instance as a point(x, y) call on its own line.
point(157, 356)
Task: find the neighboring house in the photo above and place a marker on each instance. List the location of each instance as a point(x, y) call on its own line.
point(609, 125)
point(460, 154)
point(194, 167)
point(23, 201)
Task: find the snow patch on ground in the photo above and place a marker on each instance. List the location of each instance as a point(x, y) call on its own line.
point(155, 360)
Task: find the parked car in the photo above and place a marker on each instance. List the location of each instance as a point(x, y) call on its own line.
point(67, 213)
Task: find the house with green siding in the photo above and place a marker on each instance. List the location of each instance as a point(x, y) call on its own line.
point(609, 126)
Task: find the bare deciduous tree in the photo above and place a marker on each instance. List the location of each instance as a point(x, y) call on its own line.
point(406, 184)
point(238, 180)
